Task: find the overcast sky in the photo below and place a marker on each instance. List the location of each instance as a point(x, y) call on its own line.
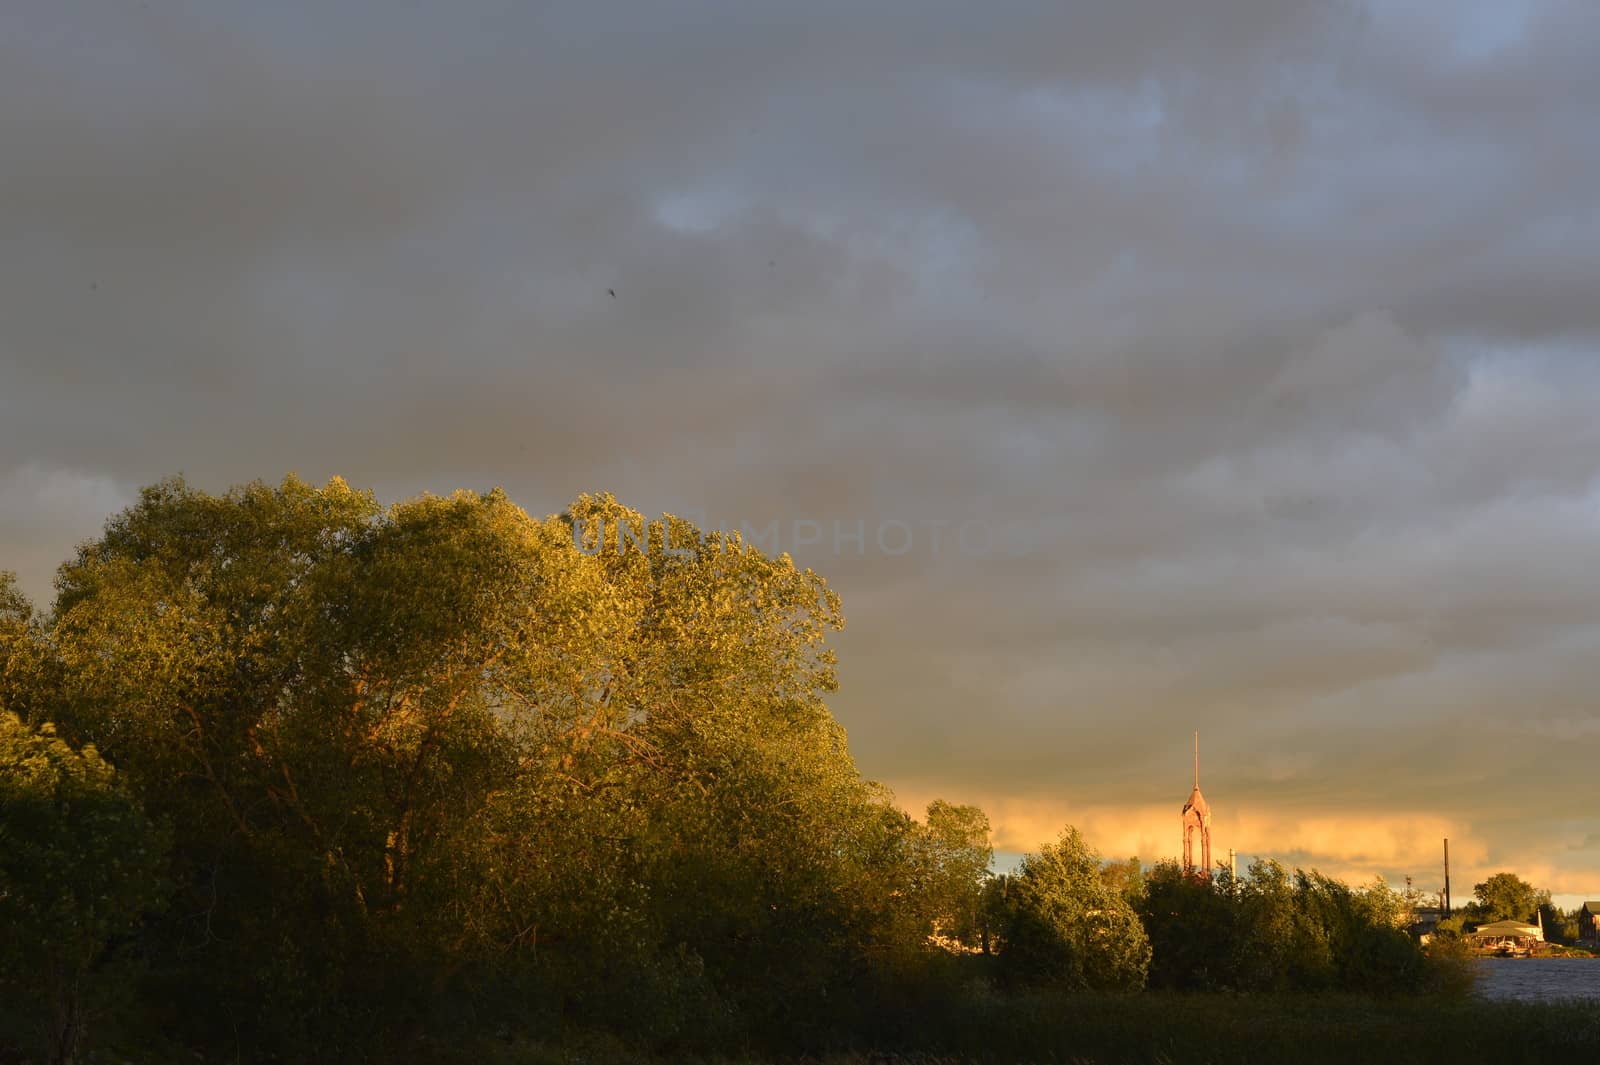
point(1208, 365)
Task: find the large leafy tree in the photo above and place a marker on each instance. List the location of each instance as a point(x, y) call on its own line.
point(952, 862)
point(1507, 897)
point(704, 744)
point(444, 734)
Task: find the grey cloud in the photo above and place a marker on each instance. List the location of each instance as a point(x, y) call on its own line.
point(1268, 326)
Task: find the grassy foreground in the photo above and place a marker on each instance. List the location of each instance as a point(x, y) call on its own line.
point(1173, 1028)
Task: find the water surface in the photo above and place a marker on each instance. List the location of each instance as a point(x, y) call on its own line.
point(1536, 979)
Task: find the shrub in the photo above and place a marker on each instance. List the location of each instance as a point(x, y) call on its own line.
point(79, 865)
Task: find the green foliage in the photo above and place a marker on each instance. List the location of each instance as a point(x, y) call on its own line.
point(25, 679)
point(1064, 927)
point(447, 743)
point(1450, 969)
point(16, 616)
point(951, 861)
point(79, 866)
point(1380, 960)
point(1194, 930)
point(1277, 931)
point(1553, 920)
point(1125, 878)
point(1507, 897)
point(443, 766)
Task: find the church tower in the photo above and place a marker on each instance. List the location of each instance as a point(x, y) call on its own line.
point(1197, 821)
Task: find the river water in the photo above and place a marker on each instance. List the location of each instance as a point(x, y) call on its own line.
point(1539, 978)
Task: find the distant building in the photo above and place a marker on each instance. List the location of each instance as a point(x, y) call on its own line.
point(1426, 919)
point(1506, 935)
point(1589, 922)
point(1197, 822)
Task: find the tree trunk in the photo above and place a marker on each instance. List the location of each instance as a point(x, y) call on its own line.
point(66, 1029)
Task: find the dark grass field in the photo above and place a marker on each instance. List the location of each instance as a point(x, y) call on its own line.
point(1172, 1028)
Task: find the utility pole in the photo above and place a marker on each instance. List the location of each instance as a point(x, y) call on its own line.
point(1447, 877)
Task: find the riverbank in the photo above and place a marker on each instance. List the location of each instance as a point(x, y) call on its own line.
point(1561, 950)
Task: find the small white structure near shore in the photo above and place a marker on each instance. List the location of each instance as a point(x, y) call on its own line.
point(1506, 935)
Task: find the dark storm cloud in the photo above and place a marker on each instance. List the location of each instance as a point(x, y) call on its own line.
point(1257, 335)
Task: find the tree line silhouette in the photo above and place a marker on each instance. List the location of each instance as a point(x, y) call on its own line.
point(290, 773)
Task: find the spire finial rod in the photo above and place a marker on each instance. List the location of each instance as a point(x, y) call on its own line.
point(1197, 761)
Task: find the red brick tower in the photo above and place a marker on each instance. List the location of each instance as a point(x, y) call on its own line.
point(1197, 819)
